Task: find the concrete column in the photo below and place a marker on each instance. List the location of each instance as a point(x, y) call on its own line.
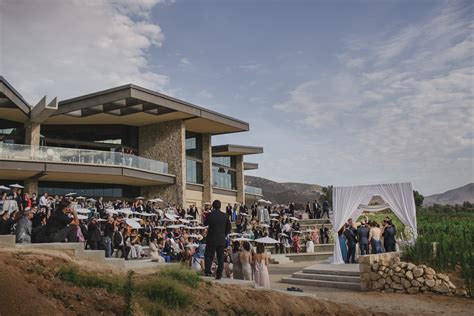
point(166, 142)
point(239, 168)
point(32, 133)
point(31, 186)
point(206, 168)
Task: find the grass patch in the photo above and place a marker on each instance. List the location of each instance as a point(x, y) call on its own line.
point(182, 275)
point(113, 284)
point(165, 291)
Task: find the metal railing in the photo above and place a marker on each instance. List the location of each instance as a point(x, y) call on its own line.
point(79, 156)
point(253, 190)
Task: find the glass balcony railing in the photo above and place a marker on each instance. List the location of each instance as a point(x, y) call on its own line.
point(253, 190)
point(79, 156)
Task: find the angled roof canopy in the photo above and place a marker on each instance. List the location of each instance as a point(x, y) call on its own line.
point(137, 106)
point(235, 150)
point(250, 166)
point(12, 104)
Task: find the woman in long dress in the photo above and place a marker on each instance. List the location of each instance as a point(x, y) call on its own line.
point(260, 261)
point(246, 259)
point(236, 264)
point(155, 252)
point(342, 243)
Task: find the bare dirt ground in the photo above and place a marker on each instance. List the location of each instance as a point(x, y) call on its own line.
point(390, 303)
point(29, 286)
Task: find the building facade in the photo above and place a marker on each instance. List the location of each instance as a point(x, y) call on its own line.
point(121, 143)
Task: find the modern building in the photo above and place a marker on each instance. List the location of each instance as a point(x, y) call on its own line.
point(122, 142)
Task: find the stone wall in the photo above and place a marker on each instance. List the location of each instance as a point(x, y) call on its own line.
point(206, 169)
point(166, 142)
point(240, 186)
point(387, 273)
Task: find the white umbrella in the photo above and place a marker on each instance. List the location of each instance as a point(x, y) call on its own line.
point(16, 185)
point(101, 220)
point(156, 200)
point(132, 223)
point(268, 202)
point(189, 216)
point(170, 217)
point(243, 213)
point(192, 245)
point(267, 240)
point(284, 235)
point(264, 225)
point(194, 236)
point(111, 211)
point(91, 200)
point(274, 220)
point(82, 217)
point(80, 198)
point(182, 220)
point(146, 214)
point(70, 194)
point(200, 227)
point(241, 239)
point(274, 215)
point(262, 201)
point(139, 198)
point(126, 211)
point(160, 227)
point(173, 226)
point(2, 187)
point(296, 232)
point(294, 218)
point(83, 210)
point(234, 234)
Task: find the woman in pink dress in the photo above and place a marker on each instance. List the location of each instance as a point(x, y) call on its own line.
point(260, 262)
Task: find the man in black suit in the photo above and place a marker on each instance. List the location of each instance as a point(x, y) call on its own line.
point(219, 228)
point(363, 238)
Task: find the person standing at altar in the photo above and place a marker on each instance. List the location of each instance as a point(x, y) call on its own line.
point(388, 234)
point(363, 237)
point(351, 236)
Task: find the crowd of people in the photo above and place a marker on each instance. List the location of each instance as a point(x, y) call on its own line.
point(372, 238)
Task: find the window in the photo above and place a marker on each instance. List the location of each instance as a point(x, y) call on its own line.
point(223, 172)
point(193, 158)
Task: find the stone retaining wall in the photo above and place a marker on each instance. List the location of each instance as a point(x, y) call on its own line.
point(387, 273)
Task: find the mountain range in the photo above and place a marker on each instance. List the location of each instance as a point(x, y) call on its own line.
point(282, 192)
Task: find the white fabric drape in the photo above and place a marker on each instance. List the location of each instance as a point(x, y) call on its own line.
point(346, 202)
point(374, 208)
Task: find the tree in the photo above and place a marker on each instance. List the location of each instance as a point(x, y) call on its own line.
point(418, 199)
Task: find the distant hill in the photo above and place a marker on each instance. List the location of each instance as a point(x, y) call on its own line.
point(281, 193)
point(451, 197)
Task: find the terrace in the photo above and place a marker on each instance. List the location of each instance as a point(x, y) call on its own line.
point(65, 164)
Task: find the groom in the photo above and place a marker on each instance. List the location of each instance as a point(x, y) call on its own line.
point(219, 228)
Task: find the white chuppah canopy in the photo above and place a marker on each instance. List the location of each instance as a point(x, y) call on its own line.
point(347, 202)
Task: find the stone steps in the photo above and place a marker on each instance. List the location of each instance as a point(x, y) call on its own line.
point(328, 275)
point(7, 241)
point(314, 256)
point(321, 283)
point(279, 259)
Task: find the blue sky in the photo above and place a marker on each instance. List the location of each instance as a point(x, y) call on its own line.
point(337, 92)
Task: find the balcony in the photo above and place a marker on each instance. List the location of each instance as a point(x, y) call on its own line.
point(50, 162)
point(253, 190)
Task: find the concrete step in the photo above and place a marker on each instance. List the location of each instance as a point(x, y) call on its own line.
point(71, 249)
point(326, 277)
point(331, 272)
point(92, 255)
point(7, 241)
point(116, 262)
point(321, 283)
point(279, 259)
point(315, 256)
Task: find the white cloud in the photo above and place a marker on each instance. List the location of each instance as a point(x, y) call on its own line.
point(67, 48)
point(205, 94)
point(403, 116)
point(185, 62)
point(250, 67)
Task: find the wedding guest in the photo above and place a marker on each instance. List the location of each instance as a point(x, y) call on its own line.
point(260, 262)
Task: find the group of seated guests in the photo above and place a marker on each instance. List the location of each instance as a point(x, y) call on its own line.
point(371, 237)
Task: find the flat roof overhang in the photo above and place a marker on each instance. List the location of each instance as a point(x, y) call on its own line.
point(235, 150)
point(44, 171)
point(137, 106)
point(12, 105)
point(250, 166)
